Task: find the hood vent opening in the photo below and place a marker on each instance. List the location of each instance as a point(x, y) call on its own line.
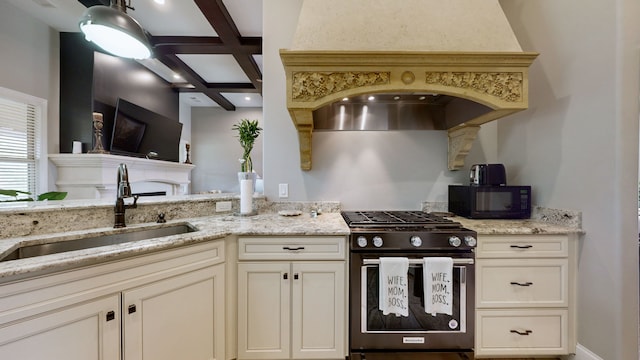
point(399, 111)
point(461, 55)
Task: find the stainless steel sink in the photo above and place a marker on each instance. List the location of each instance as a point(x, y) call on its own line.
point(28, 251)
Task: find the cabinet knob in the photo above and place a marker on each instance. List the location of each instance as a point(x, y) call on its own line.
point(111, 315)
point(295, 276)
point(528, 283)
point(131, 309)
point(285, 276)
point(523, 333)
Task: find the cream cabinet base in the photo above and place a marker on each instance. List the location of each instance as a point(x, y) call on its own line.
point(522, 332)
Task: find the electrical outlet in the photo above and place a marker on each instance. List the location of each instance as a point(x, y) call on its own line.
point(223, 206)
point(283, 191)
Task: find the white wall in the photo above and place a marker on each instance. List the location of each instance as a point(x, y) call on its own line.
point(390, 170)
point(30, 65)
point(578, 146)
point(216, 150)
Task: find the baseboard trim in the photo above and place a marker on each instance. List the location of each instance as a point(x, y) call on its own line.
point(582, 353)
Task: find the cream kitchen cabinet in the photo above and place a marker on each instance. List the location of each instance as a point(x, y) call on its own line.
point(525, 295)
point(291, 298)
point(78, 332)
point(166, 305)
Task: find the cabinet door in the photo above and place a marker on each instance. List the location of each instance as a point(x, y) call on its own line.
point(263, 310)
point(181, 317)
point(318, 310)
point(89, 331)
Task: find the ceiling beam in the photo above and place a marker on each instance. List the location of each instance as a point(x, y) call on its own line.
point(89, 3)
point(216, 13)
point(174, 63)
point(203, 45)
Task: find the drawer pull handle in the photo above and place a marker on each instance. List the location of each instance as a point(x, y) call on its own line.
point(111, 315)
point(528, 283)
point(293, 249)
point(523, 333)
point(131, 309)
point(521, 246)
point(295, 276)
point(285, 276)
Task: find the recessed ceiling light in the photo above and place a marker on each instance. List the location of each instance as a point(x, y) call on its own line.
point(422, 98)
point(345, 99)
point(177, 76)
point(161, 2)
point(371, 98)
point(247, 98)
point(396, 98)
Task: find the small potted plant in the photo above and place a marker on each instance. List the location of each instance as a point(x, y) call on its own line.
point(248, 132)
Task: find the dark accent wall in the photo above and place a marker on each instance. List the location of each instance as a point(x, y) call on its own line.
point(92, 81)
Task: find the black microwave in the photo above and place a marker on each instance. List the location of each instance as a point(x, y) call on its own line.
point(490, 202)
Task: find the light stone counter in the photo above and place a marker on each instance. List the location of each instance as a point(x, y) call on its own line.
point(514, 227)
point(209, 228)
point(59, 221)
point(543, 221)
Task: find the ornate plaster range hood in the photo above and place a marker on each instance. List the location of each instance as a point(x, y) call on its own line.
point(462, 52)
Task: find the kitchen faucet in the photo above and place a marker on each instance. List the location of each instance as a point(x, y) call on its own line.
point(123, 191)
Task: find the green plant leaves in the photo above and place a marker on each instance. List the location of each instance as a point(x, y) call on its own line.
point(248, 132)
point(13, 193)
point(52, 195)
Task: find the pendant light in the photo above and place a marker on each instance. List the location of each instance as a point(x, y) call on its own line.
point(114, 31)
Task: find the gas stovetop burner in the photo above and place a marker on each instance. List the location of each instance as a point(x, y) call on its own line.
point(398, 220)
point(407, 231)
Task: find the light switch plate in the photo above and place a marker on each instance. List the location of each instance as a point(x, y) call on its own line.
point(223, 206)
point(283, 190)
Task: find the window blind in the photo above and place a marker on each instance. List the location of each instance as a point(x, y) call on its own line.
point(19, 145)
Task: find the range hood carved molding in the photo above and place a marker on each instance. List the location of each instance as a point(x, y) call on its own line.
point(496, 80)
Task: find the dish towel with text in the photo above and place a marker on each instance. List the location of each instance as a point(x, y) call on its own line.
point(393, 286)
point(438, 285)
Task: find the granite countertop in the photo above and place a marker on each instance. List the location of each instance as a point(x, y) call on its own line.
point(213, 227)
point(209, 228)
point(515, 227)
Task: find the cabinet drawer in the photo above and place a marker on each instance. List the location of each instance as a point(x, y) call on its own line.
point(292, 248)
point(521, 332)
point(522, 246)
point(522, 283)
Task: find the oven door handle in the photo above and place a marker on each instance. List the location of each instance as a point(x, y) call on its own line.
point(420, 261)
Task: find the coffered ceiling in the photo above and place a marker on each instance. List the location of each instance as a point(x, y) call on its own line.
point(209, 50)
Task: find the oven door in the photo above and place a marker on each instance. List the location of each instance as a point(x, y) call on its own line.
point(370, 329)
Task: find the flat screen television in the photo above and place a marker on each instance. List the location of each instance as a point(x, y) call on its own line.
point(138, 131)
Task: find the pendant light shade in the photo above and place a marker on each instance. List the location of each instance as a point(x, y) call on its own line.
point(115, 32)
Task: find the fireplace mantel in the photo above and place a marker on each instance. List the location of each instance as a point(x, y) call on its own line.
point(94, 176)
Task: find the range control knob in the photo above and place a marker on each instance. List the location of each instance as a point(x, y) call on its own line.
point(362, 241)
point(377, 241)
point(455, 241)
point(470, 240)
point(416, 241)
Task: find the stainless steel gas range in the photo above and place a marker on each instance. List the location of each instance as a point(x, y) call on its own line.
point(415, 235)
